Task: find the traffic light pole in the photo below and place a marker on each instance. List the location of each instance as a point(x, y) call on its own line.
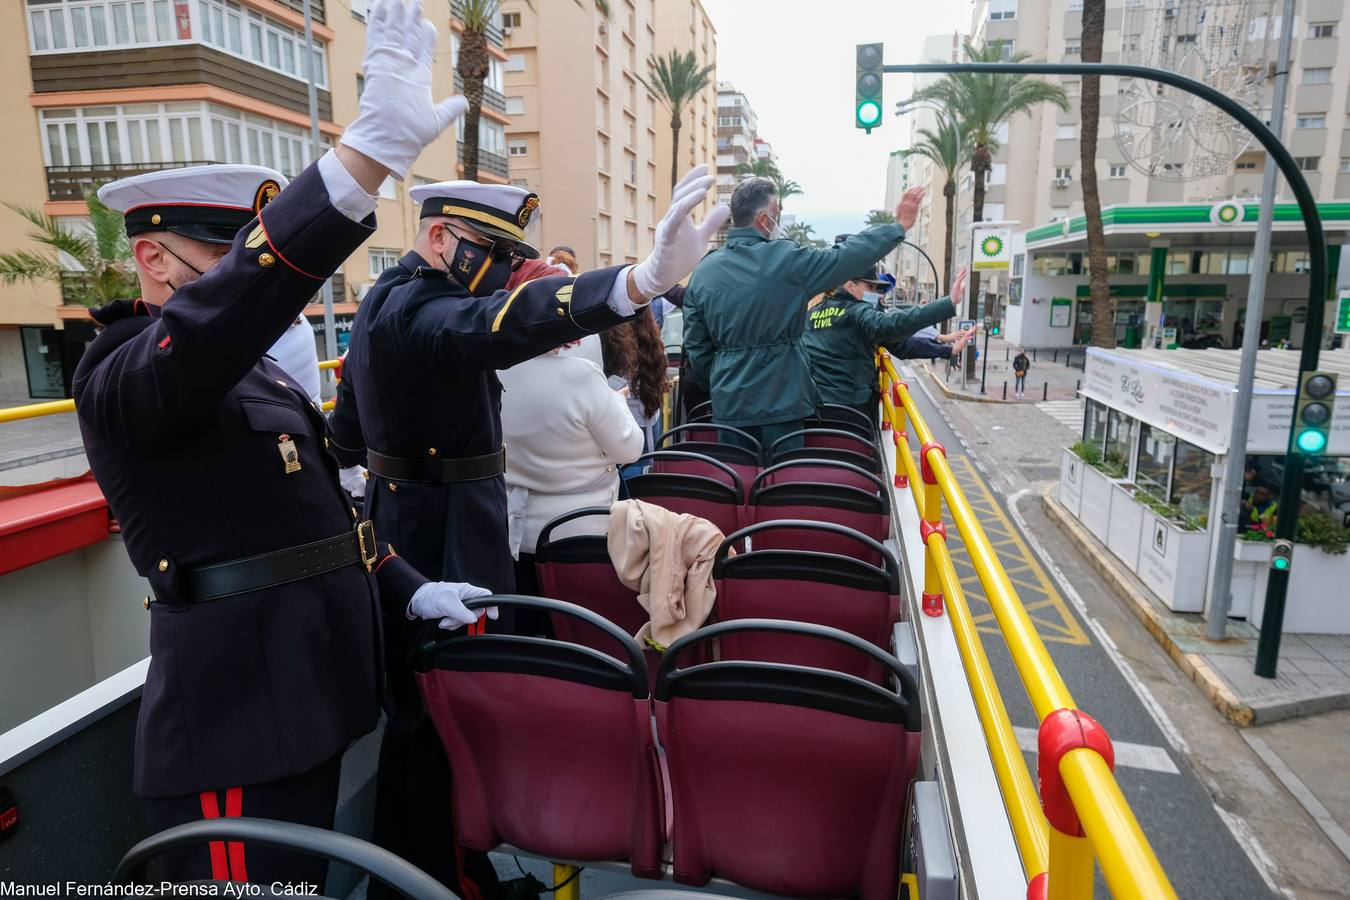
point(1268, 648)
point(984, 360)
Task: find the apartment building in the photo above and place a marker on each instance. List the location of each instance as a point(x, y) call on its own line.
point(110, 88)
point(683, 25)
point(1206, 41)
point(905, 170)
point(582, 130)
point(737, 131)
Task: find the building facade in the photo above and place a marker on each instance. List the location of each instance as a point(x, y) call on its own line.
point(1042, 148)
point(684, 26)
point(111, 88)
point(737, 131)
point(590, 151)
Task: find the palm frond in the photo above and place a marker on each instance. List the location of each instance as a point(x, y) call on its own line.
point(676, 78)
point(25, 265)
point(110, 234)
point(46, 230)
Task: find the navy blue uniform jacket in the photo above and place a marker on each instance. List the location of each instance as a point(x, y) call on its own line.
point(420, 380)
point(182, 418)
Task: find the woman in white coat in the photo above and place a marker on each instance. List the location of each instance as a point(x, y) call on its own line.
point(566, 433)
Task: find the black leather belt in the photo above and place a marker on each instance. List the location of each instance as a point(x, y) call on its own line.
point(435, 470)
point(255, 573)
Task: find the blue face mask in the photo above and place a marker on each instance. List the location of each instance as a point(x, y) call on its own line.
point(871, 298)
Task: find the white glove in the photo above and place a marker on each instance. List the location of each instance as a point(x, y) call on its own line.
point(353, 480)
point(398, 116)
point(444, 600)
point(679, 242)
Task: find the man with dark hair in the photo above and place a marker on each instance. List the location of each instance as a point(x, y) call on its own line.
point(844, 331)
point(743, 320)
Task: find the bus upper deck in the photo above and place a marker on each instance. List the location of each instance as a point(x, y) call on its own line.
point(799, 745)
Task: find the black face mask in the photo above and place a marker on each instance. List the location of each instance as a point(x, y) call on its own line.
point(482, 270)
point(198, 271)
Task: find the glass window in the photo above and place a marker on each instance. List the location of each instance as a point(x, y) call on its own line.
point(516, 106)
point(1116, 451)
point(1094, 424)
point(1239, 262)
point(1191, 480)
point(38, 28)
point(1157, 449)
point(1317, 76)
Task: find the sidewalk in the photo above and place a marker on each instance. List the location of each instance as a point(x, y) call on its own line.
point(1313, 672)
point(1049, 378)
point(28, 442)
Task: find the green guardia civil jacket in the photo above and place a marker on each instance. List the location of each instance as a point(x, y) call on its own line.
point(842, 336)
point(744, 315)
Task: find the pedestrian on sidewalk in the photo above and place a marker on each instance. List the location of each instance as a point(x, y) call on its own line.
point(1021, 365)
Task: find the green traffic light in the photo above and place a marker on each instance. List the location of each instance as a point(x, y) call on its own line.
point(1280, 563)
point(995, 331)
point(1312, 441)
point(869, 113)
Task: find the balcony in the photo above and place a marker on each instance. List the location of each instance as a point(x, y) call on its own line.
point(493, 30)
point(491, 163)
point(73, 182)
point(172, 65)
point(493, 99)
point(316, 8)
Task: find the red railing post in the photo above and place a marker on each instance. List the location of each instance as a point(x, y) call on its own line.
point(1069, 875)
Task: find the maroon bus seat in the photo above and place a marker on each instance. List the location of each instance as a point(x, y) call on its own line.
point(819, 471)
point(787, 779)
point(701, 413)
point(844, 418)
point(778, 494)
point(578, 570)
point(828, 443)
point(720, 500)
point(814, 586)
point(714, 441)
point(550, 742)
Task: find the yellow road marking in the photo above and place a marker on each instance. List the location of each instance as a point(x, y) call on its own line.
point(1043, 603)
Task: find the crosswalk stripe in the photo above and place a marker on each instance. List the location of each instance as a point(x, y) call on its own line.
point(1128, 754)
point(1068, 413)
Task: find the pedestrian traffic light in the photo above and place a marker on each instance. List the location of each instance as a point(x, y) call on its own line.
point(867, 101)
point(996, 329)
point(1316, 402)
point(1282, 556)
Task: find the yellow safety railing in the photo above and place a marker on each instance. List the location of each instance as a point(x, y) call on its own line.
point(34, 410)
point(1081, 811)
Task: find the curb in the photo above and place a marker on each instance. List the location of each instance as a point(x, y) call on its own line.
point(957, 395)
point(1192, 665)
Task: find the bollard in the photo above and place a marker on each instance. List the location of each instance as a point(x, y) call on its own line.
point(1005, 354)
point(1056, 356)
point(1068, 359)
point(1005, 390)
point(1045, 391)
point(1077, 386)
point(1033, 354)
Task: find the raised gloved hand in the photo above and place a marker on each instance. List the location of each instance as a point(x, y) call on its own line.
point(444, 600)
point(907, 210)
point(353, 480)
point(398, 116)
point(680, 243)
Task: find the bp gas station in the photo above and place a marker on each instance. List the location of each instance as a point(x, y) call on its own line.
point(1178, 275)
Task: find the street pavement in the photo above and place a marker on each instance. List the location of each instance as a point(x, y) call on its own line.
point(1223, 822)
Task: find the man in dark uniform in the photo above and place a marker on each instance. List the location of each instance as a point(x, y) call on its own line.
point(264, 628)
point(844, 330)
point(420, 405)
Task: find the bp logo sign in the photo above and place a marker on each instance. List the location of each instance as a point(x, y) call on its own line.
point(992, 246)
point(1227, 213)
point(994, 249)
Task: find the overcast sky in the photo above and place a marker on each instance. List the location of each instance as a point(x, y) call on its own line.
point(794, 59)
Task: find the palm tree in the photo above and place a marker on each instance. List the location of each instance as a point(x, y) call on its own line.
point(676, 79)
point(803, 234)
point(880, 217)
point(1103, 308)
point(474, 64)
point(105, 256)
point(943, 147)
point(767, 168)
point(984, 102)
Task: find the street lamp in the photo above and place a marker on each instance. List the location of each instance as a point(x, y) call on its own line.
point(904, 107)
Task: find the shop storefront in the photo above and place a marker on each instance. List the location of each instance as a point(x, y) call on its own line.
point(1146, 479)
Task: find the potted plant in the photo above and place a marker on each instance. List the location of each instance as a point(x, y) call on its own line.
point(1173, 553)
point(1316, 601)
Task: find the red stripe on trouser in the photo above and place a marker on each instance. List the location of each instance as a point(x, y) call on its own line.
point(220, 867)
point(234, 808)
